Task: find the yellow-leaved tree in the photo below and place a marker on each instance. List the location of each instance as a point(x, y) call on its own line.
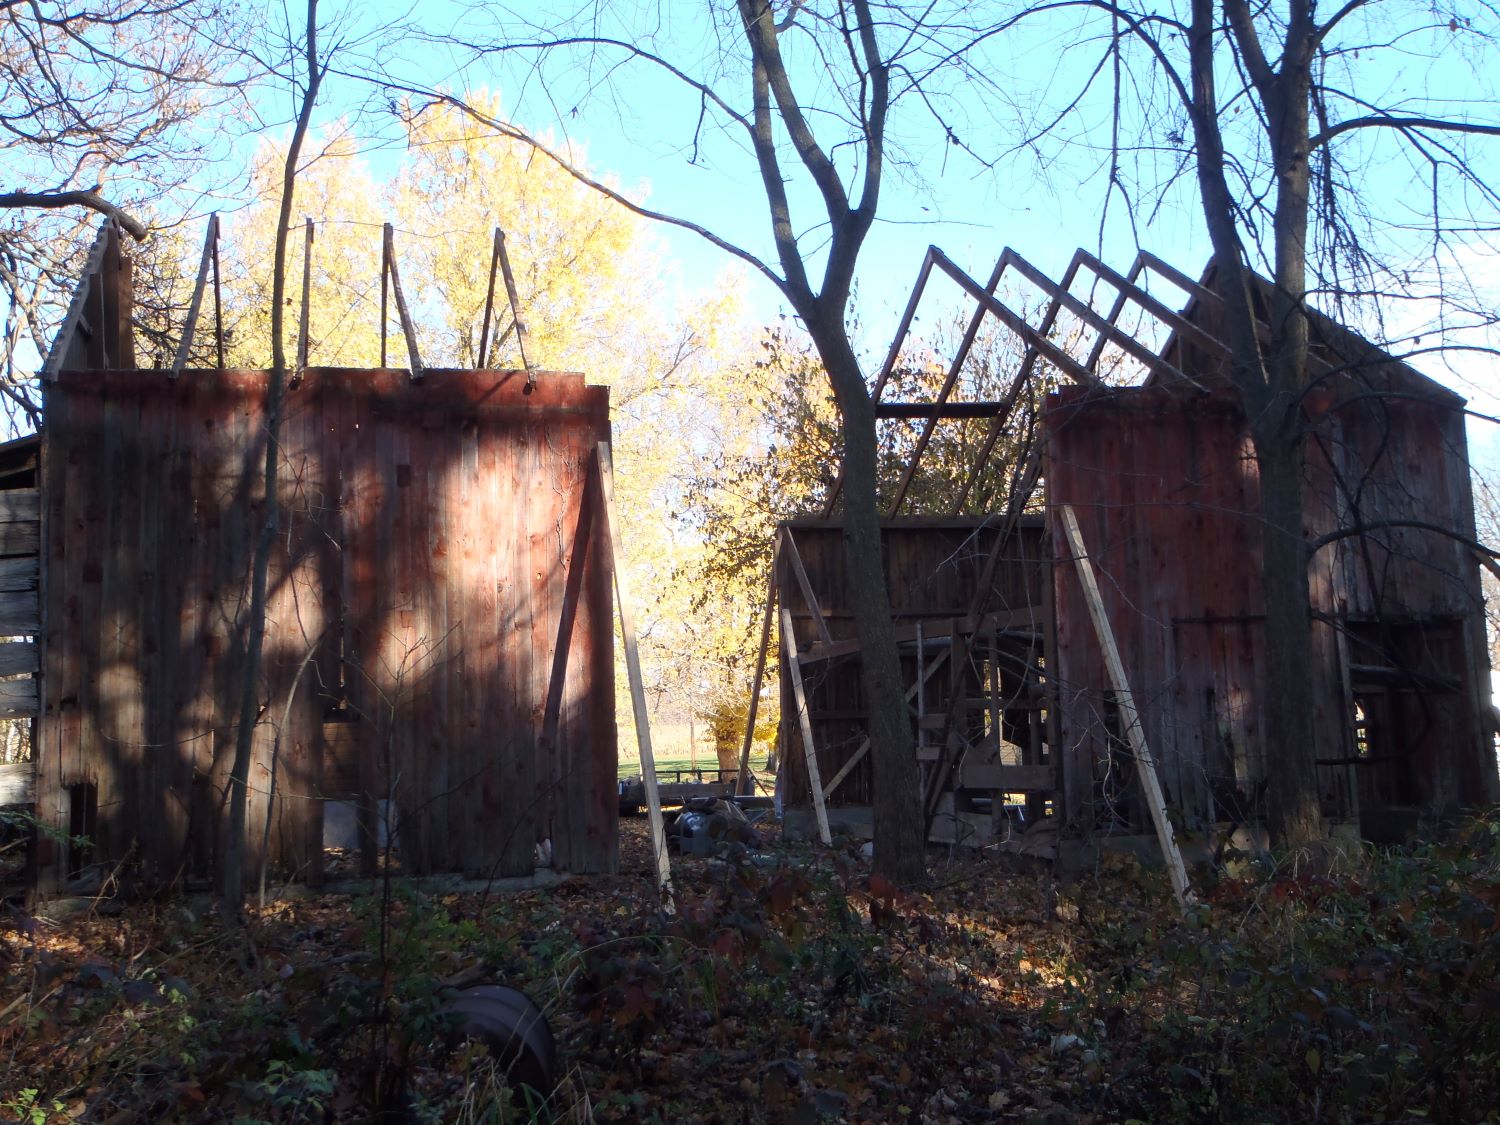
point(335, 189)
point(583, 266)
point(597, 295)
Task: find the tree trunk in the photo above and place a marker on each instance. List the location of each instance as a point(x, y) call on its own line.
point(1294, 818)
point(900, 847)
point(232, 854)
point(1271, 382)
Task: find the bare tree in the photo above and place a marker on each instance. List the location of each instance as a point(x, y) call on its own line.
point(232, 870)
point(807, 95)
point(1304, 172)
point(104, 109)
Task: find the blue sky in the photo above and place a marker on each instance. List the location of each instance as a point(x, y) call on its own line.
point(1045, 202)
point(641, 131)
point(640, 127)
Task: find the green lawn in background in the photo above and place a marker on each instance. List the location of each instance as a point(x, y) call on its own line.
point(671, 745)
point(631, 767)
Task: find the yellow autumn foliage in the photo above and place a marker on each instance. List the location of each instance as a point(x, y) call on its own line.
point(597, 295)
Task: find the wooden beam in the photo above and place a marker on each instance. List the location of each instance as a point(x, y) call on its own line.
point(814, 781)
point(1030, 475)
point(218, 308)
point(950, 380)
point(998, 421)
point(1128, 289)
point(745, 785)
point(1488, 563)
point(185, 345)
point(1385, 676)
point(1176, 277)
point(1125, 701)
point(567, 618)
point(986, 409)
point(385, 294)
point(1007, 779)
point(864, 746)
point(481, 357)
point(17, 698)
point(890, 360)
point(23, 537)
point(819, 653)
point(805, 586)
point(20, 504)
point(951, 752)
point(1106, 328)
point(408, 329)
point(113, 342)
point(605, 465)
point(20, 613)
point(304, 329)
point(1025, 619)
point(18, 658)
point(1017, 324)
point(61, 354)
point(515, 302)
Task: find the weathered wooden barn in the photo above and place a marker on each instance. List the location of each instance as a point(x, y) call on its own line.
point(438, 652)
point(1141, 437)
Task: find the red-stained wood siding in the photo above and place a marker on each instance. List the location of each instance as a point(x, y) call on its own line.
point(1161, 486)
point(429, 540)
point(1166, 491)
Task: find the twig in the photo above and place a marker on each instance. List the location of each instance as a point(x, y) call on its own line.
point(286, 714)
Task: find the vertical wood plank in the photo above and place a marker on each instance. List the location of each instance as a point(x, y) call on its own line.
point(1133, 733)
point(547, 519)
point(514, 851)
point(52, 478)
point(809, 747)
point(637, 688)
point(492, 742)
point(465, 590)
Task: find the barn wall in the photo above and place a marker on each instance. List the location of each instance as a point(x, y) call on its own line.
point(1412, 597)
point(1159, 485)
point(429, 534)
point(1166, 490)
point(934, 571)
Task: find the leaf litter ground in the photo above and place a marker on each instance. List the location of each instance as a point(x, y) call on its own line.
point(790, 985)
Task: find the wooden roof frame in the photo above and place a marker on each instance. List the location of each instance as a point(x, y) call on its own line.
point(96, 331)
point(1131, 294)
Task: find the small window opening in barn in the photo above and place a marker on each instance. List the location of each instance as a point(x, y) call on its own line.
point(15, 741)
point(1361, 728)
point(1407, 704)
point(83, 824)
point(1384, 761)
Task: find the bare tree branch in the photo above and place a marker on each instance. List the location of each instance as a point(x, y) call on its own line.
point(58, 199)
point(506, 129)
point(1360, 529)
point(1395, 121)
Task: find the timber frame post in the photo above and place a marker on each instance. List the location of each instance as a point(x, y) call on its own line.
point(809, 747)
point(605, 465)
point(1145, 765)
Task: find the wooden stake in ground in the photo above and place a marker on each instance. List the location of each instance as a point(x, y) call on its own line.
point(637, 686)
point(814, 781)
point(1145, 766)
point(746, 782)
